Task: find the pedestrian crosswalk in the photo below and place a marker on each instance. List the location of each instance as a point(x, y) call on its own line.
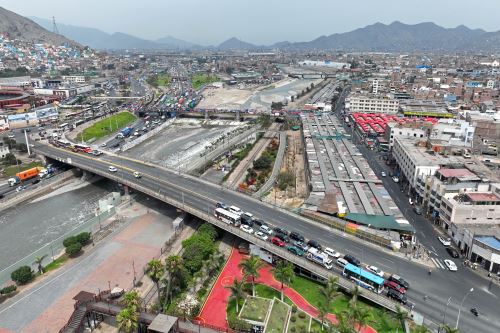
point(439, 263)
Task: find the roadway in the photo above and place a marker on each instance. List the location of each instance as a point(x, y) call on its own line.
point(201, 195)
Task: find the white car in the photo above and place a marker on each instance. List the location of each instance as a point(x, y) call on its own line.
point(261, 235)
point(331, 252)
point(451, 265)
point(396, 179)
point(112, 169)
point(383, 174)
point(445, 242)
point(375, 270)
point(246, 229)
point(266, 229)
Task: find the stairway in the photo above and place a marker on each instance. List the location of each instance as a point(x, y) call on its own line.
point(76, 320)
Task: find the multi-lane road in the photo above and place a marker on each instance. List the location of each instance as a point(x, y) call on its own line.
point(428, 293)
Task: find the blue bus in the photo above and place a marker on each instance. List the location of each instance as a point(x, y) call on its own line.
point(364, 278)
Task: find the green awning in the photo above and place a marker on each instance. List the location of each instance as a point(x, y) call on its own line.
point(386, 222)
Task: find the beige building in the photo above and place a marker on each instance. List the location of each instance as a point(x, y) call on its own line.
point(367, 104)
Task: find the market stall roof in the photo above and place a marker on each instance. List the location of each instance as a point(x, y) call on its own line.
point(387, 222)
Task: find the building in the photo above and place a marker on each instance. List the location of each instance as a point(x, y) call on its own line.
point(4, 149)
point(367, 104)
point(425, 108)
point(485, 250)
point(73, 79)
point(416, 130)
point(18, 81)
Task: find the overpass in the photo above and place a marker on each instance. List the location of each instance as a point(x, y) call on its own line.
point(116, 97)
point(313, 75)
point(198, 198)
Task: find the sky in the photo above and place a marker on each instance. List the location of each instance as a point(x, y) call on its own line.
point(262, 22)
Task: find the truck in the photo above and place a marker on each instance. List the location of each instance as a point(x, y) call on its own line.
point(24, 175)
point(319, 257)
point(45, 172)
point(126, 131)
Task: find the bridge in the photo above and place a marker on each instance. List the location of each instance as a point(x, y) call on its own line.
point(198, 197)
point(313, 75)
point(116, 97)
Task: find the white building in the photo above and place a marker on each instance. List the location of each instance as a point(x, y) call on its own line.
point(368, 104)
point(416, 130)
point(490, 84)
point(19, 81)
point(375, 87)
point(74, 79)
point(325, 63)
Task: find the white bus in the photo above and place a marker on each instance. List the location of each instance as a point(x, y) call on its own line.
point(227, 217)
point(63, 126)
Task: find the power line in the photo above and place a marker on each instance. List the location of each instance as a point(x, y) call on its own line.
point(54, 26)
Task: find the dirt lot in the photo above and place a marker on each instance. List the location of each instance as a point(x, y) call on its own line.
point(293, 162)
point(224, 98)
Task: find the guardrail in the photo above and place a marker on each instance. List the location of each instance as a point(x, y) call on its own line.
point(280, 252)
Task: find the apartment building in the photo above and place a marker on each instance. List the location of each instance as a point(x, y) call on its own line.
point(368, 104)
point(417, 130)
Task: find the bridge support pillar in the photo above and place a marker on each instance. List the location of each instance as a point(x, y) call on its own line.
point(206, 114)
point(125, 190)
point(238, 115)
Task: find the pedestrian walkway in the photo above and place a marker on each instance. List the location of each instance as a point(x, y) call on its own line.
point(438, 263)
point(214, 309)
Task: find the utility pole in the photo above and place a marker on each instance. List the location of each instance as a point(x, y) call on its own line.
point(27, 143)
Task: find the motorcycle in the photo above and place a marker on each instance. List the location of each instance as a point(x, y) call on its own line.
point(474, 312)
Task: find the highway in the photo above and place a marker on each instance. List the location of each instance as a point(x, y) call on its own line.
point(196, 193)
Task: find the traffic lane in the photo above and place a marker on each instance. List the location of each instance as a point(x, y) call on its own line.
point(415, 274)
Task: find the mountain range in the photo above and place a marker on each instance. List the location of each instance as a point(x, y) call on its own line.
point(379, 37)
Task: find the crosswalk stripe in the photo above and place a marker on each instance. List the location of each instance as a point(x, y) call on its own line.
point(438, 263)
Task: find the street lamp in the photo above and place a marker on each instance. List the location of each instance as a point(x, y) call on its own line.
point(444, 315)
point(461, 304)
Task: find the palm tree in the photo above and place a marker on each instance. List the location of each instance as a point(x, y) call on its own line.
point(155, 270)
point(401, 315)
point(237, 292)
point(38, 262)
point(354, 296)
point(174, 266)
point(330, 291)
point(344, 323)
point(127, 320)
point(283, 272)
point(421, 329)
point(131, 300)
point(251, 267)
point(447, 329)
point(361, 317)
point(322, 312)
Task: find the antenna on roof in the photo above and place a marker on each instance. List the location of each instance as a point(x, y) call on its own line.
point(54, 26)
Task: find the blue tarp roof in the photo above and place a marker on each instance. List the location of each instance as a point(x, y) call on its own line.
point(491, 241)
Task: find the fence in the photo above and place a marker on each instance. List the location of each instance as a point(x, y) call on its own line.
point(146, 136)
point(52, 249)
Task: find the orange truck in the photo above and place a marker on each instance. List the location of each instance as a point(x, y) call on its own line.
point(25, 175)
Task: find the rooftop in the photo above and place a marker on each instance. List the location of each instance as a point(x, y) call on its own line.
point(485, 196)
point(460, 174)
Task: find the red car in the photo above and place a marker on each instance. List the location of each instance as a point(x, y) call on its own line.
point(277, 241)
point(393, 285)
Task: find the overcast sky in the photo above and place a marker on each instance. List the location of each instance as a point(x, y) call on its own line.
point(256, 21)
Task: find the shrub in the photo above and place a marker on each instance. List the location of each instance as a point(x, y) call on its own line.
point(70, 240)
point(292, 329)
point(73, 249)
point(8, 289)
point(302, 315)
point(208, 229)
point(22, 275)
point(294, 308)
point(237, 324)
point(83, 238)
point(293, 319)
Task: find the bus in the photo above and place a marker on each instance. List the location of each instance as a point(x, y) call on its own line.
point(82, 148)
point(226, 216)
point(364, 278)
point(62, 143)
point(63, 126)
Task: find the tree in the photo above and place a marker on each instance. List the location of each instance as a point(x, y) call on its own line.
point(21, 147)
point(354, 296)
point(283, 272)
point(237, 293)
point(127, 320)
point(10, 159)
point(331, 290)
point(83, 238)
point(421, 329)
point(70, 240)
point(131, 300)
point(38, 262)
point(401, 315)
point(447, 329)
point(344, 323)
point(22, 275)
point(322, 312)
point(361, 317)
point(262, 163)
point(155, 270)
point(73, 249)
point(251, 267)
point(176, 272)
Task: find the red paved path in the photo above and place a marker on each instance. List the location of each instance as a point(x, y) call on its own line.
point(214, 310)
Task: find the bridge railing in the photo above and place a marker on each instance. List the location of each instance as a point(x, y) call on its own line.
point(208, 216)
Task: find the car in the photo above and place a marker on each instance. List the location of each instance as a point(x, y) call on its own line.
point(261, 235)
point(283, 237)
point(375, 270)
point(245, 219)
point(313, 243)
point(104, 144)
point(301, 245)
point(451, 265)
point(97, 152)
point(277, 241)
point(383, 174)
point(296, 236)
point(395, 179)
point(112, 169)
point(396, 295)
point(341, 262)
point(246, 229)
point(264, 228)
point(20, 188)
point(278, 230)
point(295, 250)
point(36, 181)
point(331, 252)
point(444, 241)
point(418, 210)
point(352, 260)
point(259, 222)
point(452, 252)
point(137, 174)
point(395, 286)
point(221, 205)
point(399, 280)
point(12, 136)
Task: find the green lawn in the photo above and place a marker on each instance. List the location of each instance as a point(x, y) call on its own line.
point(316, 326)
point(255, 309)
point(198, 80)
point(381, 320)
point(163, 80)
point(56, 263)
point(277, 318)
point(299, 322)
point(106, 126)
point(11, 171)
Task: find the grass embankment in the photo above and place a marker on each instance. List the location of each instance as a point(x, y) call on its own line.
point(255, 309)
point(11, 171)
point(56, 263)
point(199, 80)
point(106, 126)
point(278, 318)
point(238, 156)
